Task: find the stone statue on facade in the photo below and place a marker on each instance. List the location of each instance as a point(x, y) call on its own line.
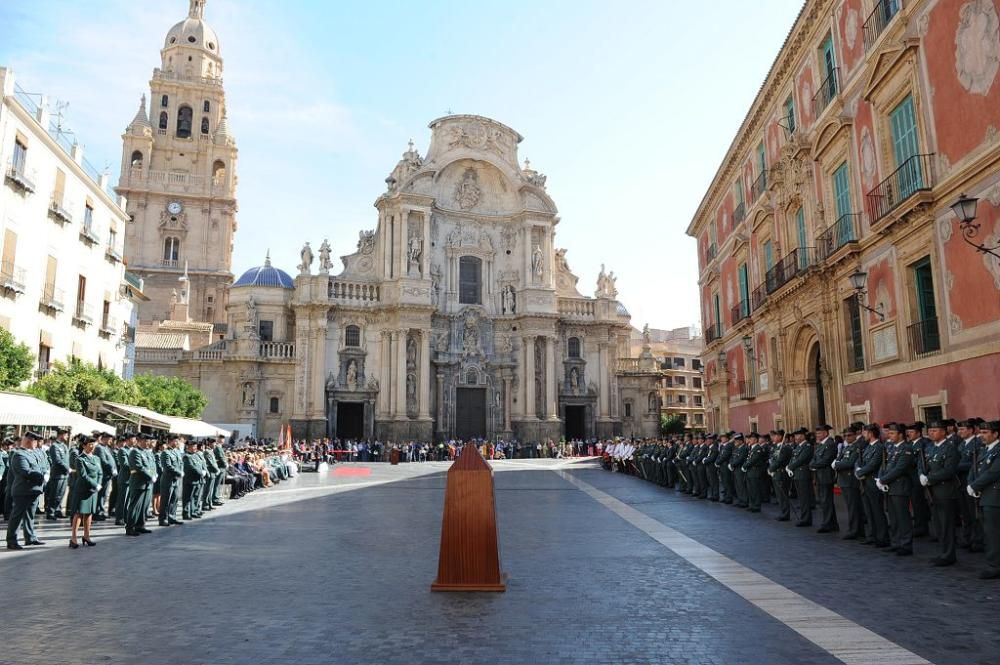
point(436, 282)
point(413, 253)
point(251, 313)
point(470, 337)
point(352, 376)
point(536, 261)
point(411, 392)
point(645, 335)
point(442, 343)
point(325, 263)
point(508, 300)
point(411, 354)
point(467, 192)
point(249, 396)
point(574, 381)
point(305, 268)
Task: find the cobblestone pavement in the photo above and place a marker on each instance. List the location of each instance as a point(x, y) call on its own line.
point(338, 570)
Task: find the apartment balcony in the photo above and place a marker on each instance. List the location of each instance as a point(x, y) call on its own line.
point(748, 390)
point(112, 254)
point(354, 293)
point(43, 369)
point(52, 299)
point(845, 231)
point(169, 263)
point(83, 315)
point(713, 333)
point(58, 213)
point(924, 338)
point(914, 175)
point(877, 21)
point(759, 186)
point(740, 311)
point(19, 178)
point(826, 91)
point(109, 328)
point(88, 235)
point(739, 214)
point(12, 278)
point(795, 263)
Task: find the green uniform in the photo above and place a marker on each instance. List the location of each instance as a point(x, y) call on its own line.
point(220, 461)
point(211, 476)
point(984, 478)
point(142, 470)
point(55, 489)
point(27, 482)
point(121, 498)
point(172, 470)
point(193, 473)
point(86, 485)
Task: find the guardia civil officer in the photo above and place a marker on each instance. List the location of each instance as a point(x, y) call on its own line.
point(781, 454)
point(27, 483)
point(222, 464)
point(755, 469)
point(970, 448)
point(193, 473)
point(918, 497)
point(726, 487)
point(896, 480)
point(872, 498)
point(848, 457)
point(739, 456)
point(798, 471)
point(824, 455)
point(142, 473)
point(940, 475)
point(122, 460)
point(171, 472)
point(712, 471)
point(984, 486)
point(109, 474)
point(55, 489)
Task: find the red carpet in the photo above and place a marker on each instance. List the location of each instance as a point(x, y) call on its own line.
point(352, 471)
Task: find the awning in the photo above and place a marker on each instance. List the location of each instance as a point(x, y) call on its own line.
point(142, 417)
point(24, 410)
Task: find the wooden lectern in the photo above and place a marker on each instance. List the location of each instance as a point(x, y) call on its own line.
point(470, 551)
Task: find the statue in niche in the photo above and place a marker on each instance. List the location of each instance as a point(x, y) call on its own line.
point(574, 381)
point(414, 250)
point(411, 354)
point(436, 282)
point(249, 396)
point(506, 344)
point(352, 376)
point(652, 402)
point(470, 336)
point(645, 335)
point(467, 192)
point(173, 297)
point(306, 255)
point(324, 258)
point(411, 391)
point(251, 313)
point(536, 261)
point(442, 342)
point(508, 300)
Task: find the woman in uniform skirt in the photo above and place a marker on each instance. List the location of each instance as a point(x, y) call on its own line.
point(83, 502)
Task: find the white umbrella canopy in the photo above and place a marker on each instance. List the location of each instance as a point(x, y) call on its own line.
point(24, 410)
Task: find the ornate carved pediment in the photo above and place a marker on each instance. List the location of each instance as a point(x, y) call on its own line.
point(828, 134)
point(173, 224)
point(885, 63)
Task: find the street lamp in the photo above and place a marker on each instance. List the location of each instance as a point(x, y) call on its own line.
point(965, 209)
point(858, 280)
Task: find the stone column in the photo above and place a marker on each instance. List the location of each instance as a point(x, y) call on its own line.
point(603, 369)
point(400, 374)
point(404, 246)
point(551, 403)
point(425, 375)
point(440, 406)
point(390, 372)
point(425, 256)
point(506, 404)
point(529, 377)
point(383, 374)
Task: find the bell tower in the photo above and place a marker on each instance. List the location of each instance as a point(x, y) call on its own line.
point(179, 173)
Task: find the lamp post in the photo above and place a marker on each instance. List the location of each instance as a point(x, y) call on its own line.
point(965, 209)
point(858, 280)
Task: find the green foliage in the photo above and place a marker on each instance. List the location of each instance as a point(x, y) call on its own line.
point(73, 386)
point(169, 395)
point(671, 424)
point(15, 361)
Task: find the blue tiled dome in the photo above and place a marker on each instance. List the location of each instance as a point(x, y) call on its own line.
point(266, 276)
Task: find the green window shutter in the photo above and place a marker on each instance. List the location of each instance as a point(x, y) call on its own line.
point(829, 61)
point(739, 192)
point(718, 314)
point(744, 291)
point(926, 333)
point(842, 191)
point(790, 114)
point(768, 255)
point(800, 223)
point(761, 158)
point(905, 146)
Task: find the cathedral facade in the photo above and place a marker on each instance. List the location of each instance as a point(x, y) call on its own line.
point(455, 317)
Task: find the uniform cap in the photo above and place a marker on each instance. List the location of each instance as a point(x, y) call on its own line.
point(936, 424)
point(31, 434)
point(895, 427)
point(993, 426)
point(917, 426)
point(801, 430)
point(822, 426)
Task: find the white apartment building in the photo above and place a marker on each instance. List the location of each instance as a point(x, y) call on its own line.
point(62, 277)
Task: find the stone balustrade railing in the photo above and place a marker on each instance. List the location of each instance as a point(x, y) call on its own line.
point(577, 307)
point(158, 355)
point(277, 350)
point(353, 292)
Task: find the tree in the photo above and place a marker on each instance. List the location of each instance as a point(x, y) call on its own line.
point(169, 395)
point(15, 361)
point(72, 386)
point(671, 424)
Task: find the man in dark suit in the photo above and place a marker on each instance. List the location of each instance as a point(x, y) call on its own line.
point(821, 465)
point(984, 485)
point(940, 475)
point(798, 471)
point(28, 482)
point(896, 480)
point(872, 498)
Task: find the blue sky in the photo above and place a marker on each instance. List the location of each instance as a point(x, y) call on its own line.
point(627, 107)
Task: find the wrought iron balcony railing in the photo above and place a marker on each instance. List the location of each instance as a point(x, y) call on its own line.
point(739, 214)
point(740, 311)
point(748, 389)
point(758, 296)
point(827, 90)
point(52, 298)
point(924, 337)
point(12, 277)
point(796, 262)
point(711, 252)
point(59, 213)
point(876, 22)
point(759, 185)
point(914, 175)
point(713, 333)
point(845, 230)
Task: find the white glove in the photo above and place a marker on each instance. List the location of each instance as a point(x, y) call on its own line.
point(833, 465)
point(971, 491)
point(46, 477)
point(923, 480)
point(730, 467)
point(878, 483)
point(770, 473)
point(791, 474)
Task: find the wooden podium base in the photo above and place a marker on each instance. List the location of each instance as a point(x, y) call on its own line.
point(469, 559)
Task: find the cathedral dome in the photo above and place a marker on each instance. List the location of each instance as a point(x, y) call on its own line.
point(193, 31)
point(266, 276)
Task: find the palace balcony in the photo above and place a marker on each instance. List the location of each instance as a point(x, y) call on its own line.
point(924, 337)
point(748, 389)
point(740, 311)
point(877, 21)
point(827, 90)
point(795, 263)
point(713, 333)
point(914, 175)
point(844, 231)
point(759, 186)
point(284, 350)
point(577, 308)
point(757, 297)
point(353, 293)
point(711, 252)
point(739, 213)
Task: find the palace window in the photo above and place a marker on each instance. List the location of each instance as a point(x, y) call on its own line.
point(266, 331)
point(855, 342)
point(275, 405)
point(163, 120)
point(164, 101)
point(184, 120)
point(470, 271)
point(790, 114)
point(207, 106)
point(204, 125)
point(171, 250)
point(352, 336)
point(628, 409)
point(573, 347)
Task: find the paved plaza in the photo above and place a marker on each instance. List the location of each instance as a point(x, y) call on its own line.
point(603, 568)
